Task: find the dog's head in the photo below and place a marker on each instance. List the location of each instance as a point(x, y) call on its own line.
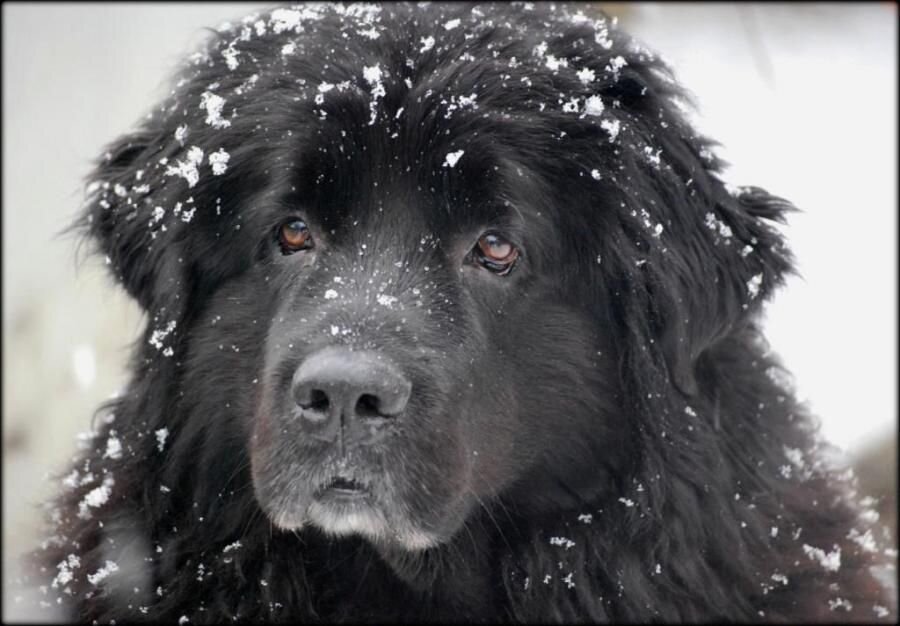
point(410, 261)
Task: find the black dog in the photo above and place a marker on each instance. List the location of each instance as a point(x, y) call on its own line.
point(450, 318)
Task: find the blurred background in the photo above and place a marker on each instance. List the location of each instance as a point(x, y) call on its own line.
point(802, 96)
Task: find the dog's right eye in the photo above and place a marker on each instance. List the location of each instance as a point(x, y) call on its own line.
point(495, 253)
point(294, 236)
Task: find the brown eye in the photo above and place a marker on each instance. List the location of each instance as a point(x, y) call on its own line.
point(496, 253)
point(294, 236)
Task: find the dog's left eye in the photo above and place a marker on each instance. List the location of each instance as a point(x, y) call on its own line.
point(495, 253)
point(294, 236)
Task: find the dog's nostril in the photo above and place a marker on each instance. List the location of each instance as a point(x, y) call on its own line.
point(368, 406)
point(318, 400)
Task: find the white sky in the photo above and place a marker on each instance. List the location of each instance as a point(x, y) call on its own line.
point(803, 98)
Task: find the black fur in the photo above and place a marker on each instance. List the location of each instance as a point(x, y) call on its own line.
point(601, 435)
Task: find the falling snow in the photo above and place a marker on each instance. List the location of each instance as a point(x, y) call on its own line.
point(452, 158)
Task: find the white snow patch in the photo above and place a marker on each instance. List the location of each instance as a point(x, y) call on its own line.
point(586, 75)
point(219, 161)
point(113, 448)
point(372, 75)
point(108, 568)
point(612, 127)
point(830, 561)
point(231, 56)
point(753, 285)
point(181, 134)
point(562, 542)
point(161, 435)
point(214, 104)
point(452, 158)
point(95, 498)
point(156, 339)
point(232, 546)
point(187, 169)
point(386, 300)
point(427, 44)
point(593, 105)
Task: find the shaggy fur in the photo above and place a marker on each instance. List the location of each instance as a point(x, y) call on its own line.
point(600, 435)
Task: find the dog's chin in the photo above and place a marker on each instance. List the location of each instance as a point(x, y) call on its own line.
point(345, 512)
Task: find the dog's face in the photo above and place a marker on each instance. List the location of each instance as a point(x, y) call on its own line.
point(403, 279)
point(424, 348)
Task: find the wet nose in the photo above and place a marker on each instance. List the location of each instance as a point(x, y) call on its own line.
point(337, 388)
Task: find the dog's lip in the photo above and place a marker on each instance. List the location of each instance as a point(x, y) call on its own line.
point(341, 486)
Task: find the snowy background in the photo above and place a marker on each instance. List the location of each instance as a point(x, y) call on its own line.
point(803, 98)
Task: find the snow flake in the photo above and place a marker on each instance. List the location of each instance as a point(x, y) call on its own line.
point(865, 541)
point(113, 448)
point(593, 105)
point(571, 106)
point(161, 435)
point(562, 542)
point(612, 127)
point(219, 161)
point(840, 603)
point(715, 224)
point(231, 56)
point(108, 568)
point(386, 300)
point(232, 546)
point(372, 75)
point(615, 65)
point(285, 19)
point(187, 169)
point(95, 498)
point(331, 294)
point(830, 561)
point(554, 63)
point(601, 34)
point(156, 339)
point(427, 44)
point(451, 24)
point(753, 285)
point(181, 134)
point(586, 75)
point(452, 158)
point(653, 159)
point(214, 104)
point(65, 574)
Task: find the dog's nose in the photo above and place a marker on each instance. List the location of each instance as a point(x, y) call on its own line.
point(337, 389)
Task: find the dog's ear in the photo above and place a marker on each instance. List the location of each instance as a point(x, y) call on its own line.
point(734, 260)
point(125, 214)
point(690, 273)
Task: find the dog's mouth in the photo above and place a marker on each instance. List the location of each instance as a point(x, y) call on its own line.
point(341, 487)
